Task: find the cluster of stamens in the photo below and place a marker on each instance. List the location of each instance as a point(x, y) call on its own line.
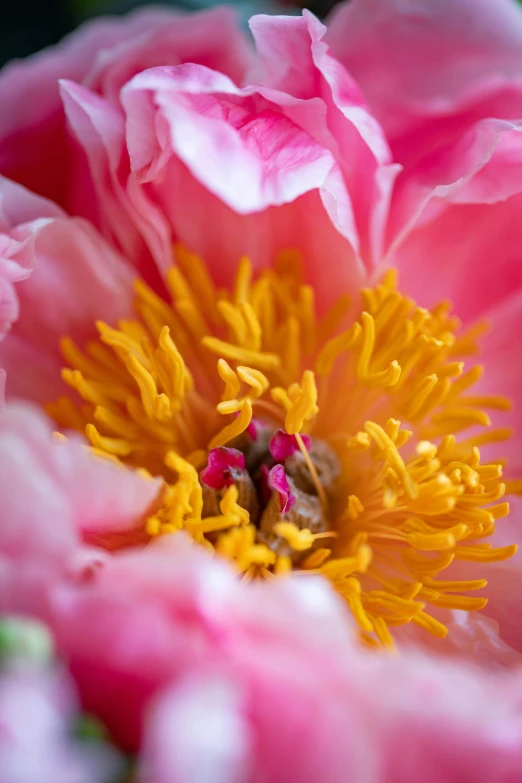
point(289, 453)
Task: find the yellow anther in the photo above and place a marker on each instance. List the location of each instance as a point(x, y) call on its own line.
point(235, 321)
point(258, 382)
point(426, 449)
point(227, 374)
point(300, 540)
point(179, 379)
point(305, 405)
point(243, 280)
point(116, 446)
point(253, 332)
point(229, 506)
point(392, 455)
point(263, 361)
point(354, 507)
point(153, 526)
point(335, 347)
point(359, 442)
point(387, 377)
point(234, 429)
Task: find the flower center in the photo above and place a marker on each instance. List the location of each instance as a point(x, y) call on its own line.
point(346, 445)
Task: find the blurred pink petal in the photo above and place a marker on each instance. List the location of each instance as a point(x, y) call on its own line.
point(161, 613)
point(53, 493)
point(197, 732)
point(37, 713)
point(389, 719)
point(78, 279)
point(18, 208)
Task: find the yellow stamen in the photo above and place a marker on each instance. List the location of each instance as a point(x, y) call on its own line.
point(411, 499)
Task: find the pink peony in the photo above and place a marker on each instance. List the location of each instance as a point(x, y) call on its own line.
point(261, 201)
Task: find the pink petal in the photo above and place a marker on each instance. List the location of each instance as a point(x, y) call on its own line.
point(157, 615)
point(168, 37)
point(380, 718)
point(191, 131)
point(461, 52)
point(99, 128)
point(103, 53)
point(268, 160)
point(77, 278)
point(17, 207)
point(454, 130)
point(30, 88)
point(479, 165)
point(38, 711)
point(468, 253)
point(322, 98)
point(197, 731)
point(501, 357)
point(44, 480)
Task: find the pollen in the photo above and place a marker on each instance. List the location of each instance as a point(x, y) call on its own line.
point(346, 445)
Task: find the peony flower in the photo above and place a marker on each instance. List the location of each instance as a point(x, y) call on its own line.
point(248, 263)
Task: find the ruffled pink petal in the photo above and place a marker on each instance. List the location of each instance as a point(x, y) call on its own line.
point(479, 166)
point(168, 37)
point(99, 128)
point(319, 95)
point(17, 207)
point(268, 160)
point(104, 53)
point(454, 130)
point(76, 278)
point(239, 156)
point(462, 52)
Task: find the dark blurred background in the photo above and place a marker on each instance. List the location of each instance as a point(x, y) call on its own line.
point(29, 25)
